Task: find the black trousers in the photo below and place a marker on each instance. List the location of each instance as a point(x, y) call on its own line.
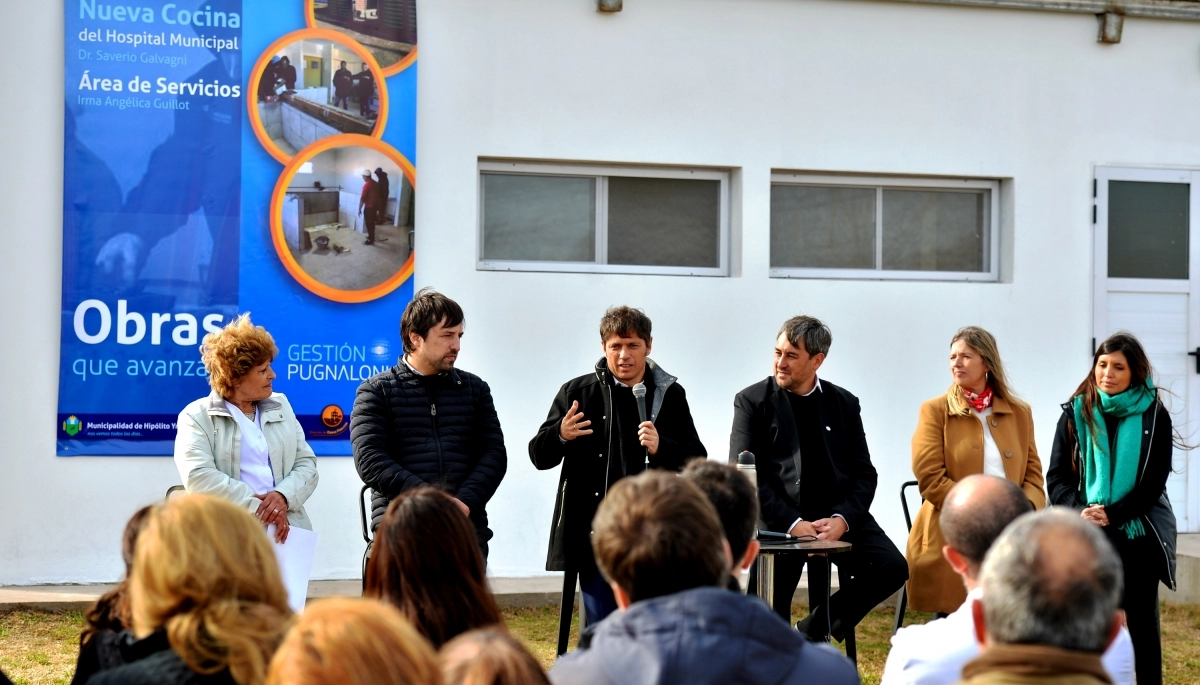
point(369, 221)
point(869, 573)
point(1142, 559)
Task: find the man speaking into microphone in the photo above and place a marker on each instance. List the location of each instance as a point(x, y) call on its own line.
point(627, 415)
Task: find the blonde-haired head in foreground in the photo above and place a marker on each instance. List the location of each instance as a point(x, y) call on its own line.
point(204, 571)
point(354, 642)
point(489, 656)
point(230, 354)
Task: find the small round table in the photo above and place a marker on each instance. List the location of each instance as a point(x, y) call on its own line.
point(766, 567)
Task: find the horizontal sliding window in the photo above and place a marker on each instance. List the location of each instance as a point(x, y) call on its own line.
point(541, 217)
point(858, 227)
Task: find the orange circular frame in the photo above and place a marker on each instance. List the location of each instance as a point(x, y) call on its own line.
point(302, 34)
point(285, 255)
point(310, 18)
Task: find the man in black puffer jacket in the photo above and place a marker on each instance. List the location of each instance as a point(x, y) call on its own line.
point(423, 422)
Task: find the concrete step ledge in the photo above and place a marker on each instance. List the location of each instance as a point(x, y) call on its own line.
point(1187, 572)
point(542, 591)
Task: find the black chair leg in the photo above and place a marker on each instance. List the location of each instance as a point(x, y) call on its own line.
point(366, 560)
point(851, 646)
point(901, 606)
point(565, 610)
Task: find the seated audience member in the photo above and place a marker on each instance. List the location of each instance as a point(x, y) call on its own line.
point(206, 599)
point(243, 441)
point(107, 621)
point(658, 542)
point(1051, 588)
point(489, 656)
point(427, 563)
point(345, 641)
point(736, 502)
point(974, 513)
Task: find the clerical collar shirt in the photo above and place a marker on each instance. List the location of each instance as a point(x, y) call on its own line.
point(815, 389)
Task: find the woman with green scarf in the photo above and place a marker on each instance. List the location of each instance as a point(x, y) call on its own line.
point(1110, 460)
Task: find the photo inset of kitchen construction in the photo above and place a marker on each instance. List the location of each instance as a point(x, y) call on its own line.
point(388, 28)
point(348, 218)
point(315, 88)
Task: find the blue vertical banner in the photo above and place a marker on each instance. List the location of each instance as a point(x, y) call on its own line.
point(223, 157)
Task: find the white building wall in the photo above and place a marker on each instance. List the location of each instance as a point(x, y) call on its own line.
point(757, 85)
point(749, 85)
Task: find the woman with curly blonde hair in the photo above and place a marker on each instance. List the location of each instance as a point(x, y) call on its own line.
point(243, 442)
point(353, 642)
point(206, 598)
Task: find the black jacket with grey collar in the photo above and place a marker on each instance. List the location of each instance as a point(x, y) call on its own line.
point(586, 459)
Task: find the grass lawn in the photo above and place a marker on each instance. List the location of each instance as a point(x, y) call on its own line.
point(40, 647)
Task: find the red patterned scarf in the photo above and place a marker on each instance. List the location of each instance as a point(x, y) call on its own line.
point(981, 401)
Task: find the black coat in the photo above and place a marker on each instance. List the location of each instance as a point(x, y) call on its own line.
point(366, 84)
point(700, 636)
point(1148, 499)
point(384, 191)
point(288, 73)
point(586, 459)
point(763, 424)
point(408, 431)
point(151, 662)
point(343, 82)
point(104, 650)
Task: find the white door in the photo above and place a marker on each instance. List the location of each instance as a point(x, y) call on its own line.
point(1147, 282)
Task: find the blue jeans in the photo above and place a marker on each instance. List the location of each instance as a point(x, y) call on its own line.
point(598, 599)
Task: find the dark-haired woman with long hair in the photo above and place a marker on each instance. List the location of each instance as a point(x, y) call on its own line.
point(426, 563)
point(1110, 460)
point(107, 622)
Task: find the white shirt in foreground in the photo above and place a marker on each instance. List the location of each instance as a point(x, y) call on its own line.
point(934, 653)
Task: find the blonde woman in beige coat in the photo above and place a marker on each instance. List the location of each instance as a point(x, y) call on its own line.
point(243, 442)
point(978, 426)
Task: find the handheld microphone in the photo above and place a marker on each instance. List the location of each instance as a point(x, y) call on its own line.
point(639, 394)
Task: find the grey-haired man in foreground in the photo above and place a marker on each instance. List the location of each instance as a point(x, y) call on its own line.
point(1051, 588)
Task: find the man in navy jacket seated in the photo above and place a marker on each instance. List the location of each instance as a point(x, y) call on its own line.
point(659, 543)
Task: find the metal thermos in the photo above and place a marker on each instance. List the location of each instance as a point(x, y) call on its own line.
point(745, 464)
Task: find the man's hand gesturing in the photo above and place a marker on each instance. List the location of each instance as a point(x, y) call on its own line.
point(573, 424)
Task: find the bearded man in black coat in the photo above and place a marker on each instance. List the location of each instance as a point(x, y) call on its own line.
point(594, 429)
point(425, 423)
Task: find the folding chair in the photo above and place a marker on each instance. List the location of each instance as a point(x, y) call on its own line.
point(363, 497)
point(902, 596)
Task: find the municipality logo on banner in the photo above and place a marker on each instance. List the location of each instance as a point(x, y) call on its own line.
point(72, 425)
